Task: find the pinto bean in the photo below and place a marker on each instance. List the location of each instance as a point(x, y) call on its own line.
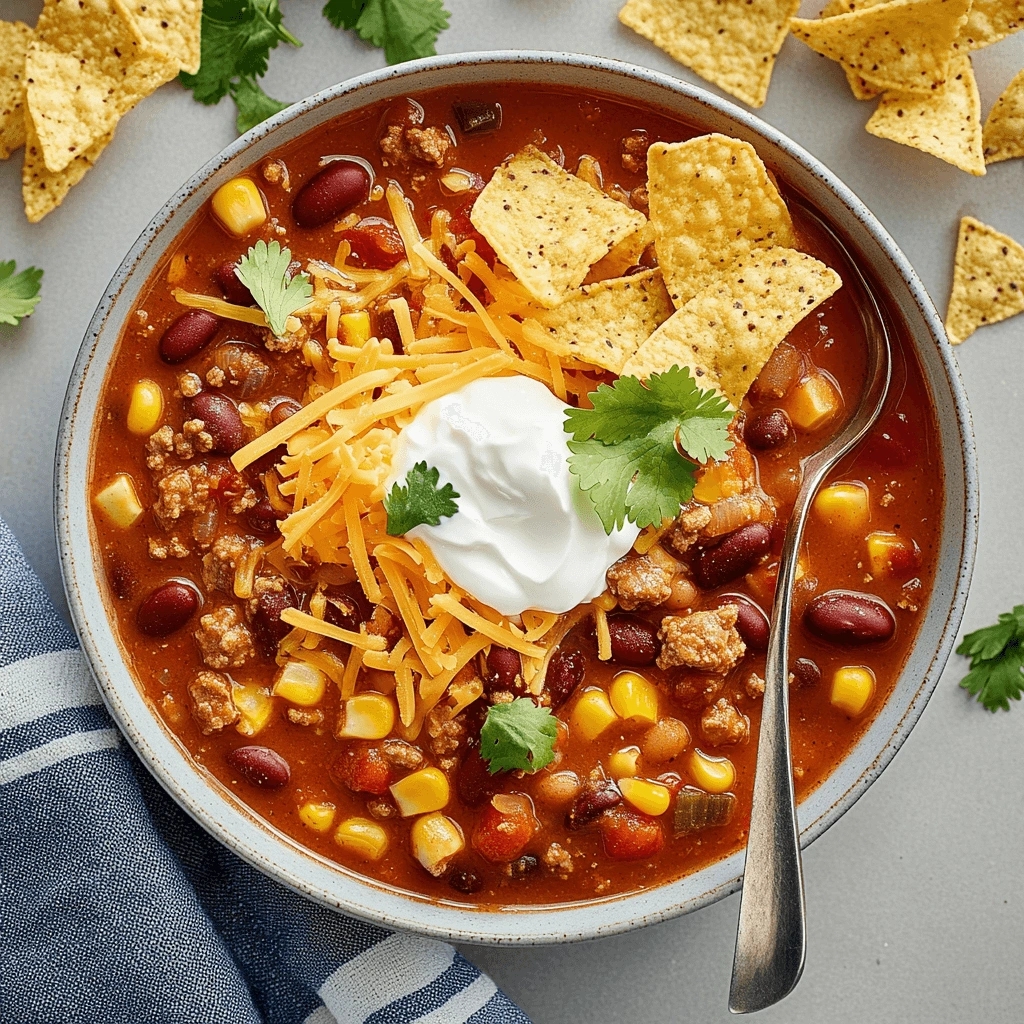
point(221, 420)
point(733, 557)
point(565, 672)
point(167, 609)
point(768, 430)
point(503, 666)
point(189, 334)
point(260, 765)
point(233, 290)
point(634, 642)
point(341, 185)
point(846, 617)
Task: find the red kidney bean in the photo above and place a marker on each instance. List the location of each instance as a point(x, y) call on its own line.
point(376, 243)
point(597, 795)
point(503, 666)
point(347, 606)
point(220, 420)
point(751, 622)
point(232, 289)
point(474, 782)
point(268, 629)
point(123, 579)
point(260, 765)
point(341, 185)
point(846, 617)
point(805, 673)
point(189, 334)
point(565, 672)
point(167, 609)
point(768, 430)
point(263, 517)
point(733, 557)
point(634, 642)
point(387, 327)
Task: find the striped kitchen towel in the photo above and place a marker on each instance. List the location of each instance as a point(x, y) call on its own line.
point(115, 906)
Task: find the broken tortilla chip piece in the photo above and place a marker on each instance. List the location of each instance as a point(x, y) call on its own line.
point(904, 44)
point(946, 123)
point(170, 26)
point(603, 323)
point(988, 280)
point(547, 226)
point(15, 38)
point(732, 45)
point(711, 202)
point(861, 89)
point(726, 333)
point(1003, 134)
point(990, 21)
point(622, 256)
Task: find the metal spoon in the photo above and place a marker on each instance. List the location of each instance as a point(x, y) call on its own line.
point(770, 939)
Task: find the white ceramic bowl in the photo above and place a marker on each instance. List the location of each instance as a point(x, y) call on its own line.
point(271, 851)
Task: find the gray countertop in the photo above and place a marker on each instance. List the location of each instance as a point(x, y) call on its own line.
point(914, 913)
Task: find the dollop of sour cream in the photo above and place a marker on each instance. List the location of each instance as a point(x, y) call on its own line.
point(525, 535)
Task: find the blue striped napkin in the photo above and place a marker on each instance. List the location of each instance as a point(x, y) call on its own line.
point(115, 906)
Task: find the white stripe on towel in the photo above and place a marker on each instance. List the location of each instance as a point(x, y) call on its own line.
point(34, 687)
point(396, 967)
point(463, 1004)
point(55, 751)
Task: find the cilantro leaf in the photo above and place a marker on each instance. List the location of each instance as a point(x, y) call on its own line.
point(626, 449)
point(420, 501)
point(19, 293)
point(997, 661)
point(518, 737)
point(343, 13)
point(254, 105)
point(264, 271)
point(237, 37)
point(403, 29)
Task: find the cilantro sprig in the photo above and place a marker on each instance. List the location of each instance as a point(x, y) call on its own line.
point(264, 271)
point(19, 293)
point(626, 450)
point(997, 661)
point(403, 29)
point(420, 502)
point(519, 736)
point(253, 104)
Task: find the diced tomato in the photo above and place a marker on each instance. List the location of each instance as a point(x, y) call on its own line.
point(629, 835)
point(364, 770)
point(462, 227)
point(376, 243)
point(503, 831)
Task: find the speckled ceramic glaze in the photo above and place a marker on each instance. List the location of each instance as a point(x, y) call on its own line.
point(231, 822)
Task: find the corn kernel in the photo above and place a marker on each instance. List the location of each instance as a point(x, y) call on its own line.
point(718, 480)
point(633, 696)
point(649, 797)
point(362, 837)
point(713, 774)
point(592, 715)
point(119, 502)
point(301, 683)
point(145, 408)
point(238, 205)
point(422, 792)
point(318, 817)
point(622, 764)
point(435, 840)
point(355, 328)
point(813, 402)
point(368, 716)
point(843, 505)
point(852, 687)
point(254, 705)
point(881, 548)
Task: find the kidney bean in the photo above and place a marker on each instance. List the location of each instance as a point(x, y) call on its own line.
point(189, 334)
point(233, 290)
point(597, 795)
point(167, 609)
point(503, 666)
point(220, 419)
point(376, 243)
point(123, 580)
point(267, 628)
point(465, 881)
point(387, 327)
point(805, 673)
point(751, 622)
point(768, 430)
point(474, 782)
point(341, 185)
point(263, 517)
point(565, 672)
point(846, 617)
point(347, 607)
point(634, 642)
point(733, 557)
point(260, 765)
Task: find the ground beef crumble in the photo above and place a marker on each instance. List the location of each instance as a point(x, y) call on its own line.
point(686, 529)
point(212, 704)
point(558, 859)
point(224, 640)
point(642, 580)
point(705, 640)
point(722, 723)
point(220, 563)
point(446, 736)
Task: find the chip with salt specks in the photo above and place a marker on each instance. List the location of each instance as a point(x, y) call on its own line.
point(726, 333)
point(988, 280)
point(990, 21)
point(604, 323)
point(861, 89)
point(15, 38)
point(731, 44)
point(711, 202)
point(622, 256)
point(1003, 135)
point(171, 26)
point(547, 226)
point(903, 44)
point(945, 123)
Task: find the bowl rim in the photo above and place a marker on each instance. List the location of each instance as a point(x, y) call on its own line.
point(361, 897)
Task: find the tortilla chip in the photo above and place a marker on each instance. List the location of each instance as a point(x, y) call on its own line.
point(711, 203)
point(990, 21)
point(548, 226)
point(732, 45)
point(988, 280)
point(904, 44)
point(43, 190)
point(861, 89)
point(170, 26)
point(605, 323)
point(726, 334)
point(946, 124)
point(1003, 135)
point(622, 256)
point(15, 38)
